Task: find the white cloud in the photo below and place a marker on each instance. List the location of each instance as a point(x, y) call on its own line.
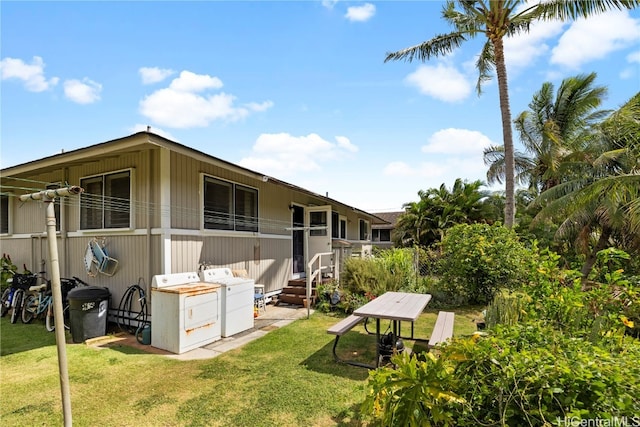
point(283, 155)
point(521, 50)
point(264, 106)
point(329, 3)
point(360, 13)
point(138, 127)
point(452, 153)
point(192, 82)
point(32, 74)
point(594, 38)
point(441, 82)
point(634, 57)
point(457, 141)
point(444, 171)
point(344, 142)
point(182, 106)
point(630, 72)
point(152, 75)
point(83, 91)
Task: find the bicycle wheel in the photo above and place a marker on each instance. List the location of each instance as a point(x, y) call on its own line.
point(4, 308)
point(17, 304)
point(30, 307)
point(50, 322)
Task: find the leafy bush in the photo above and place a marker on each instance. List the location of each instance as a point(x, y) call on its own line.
point(599, 312)
point(388, 270)
point(506, 308)
point(479, 259)
point(522, 375)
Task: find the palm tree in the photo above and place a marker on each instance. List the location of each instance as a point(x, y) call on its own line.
point(601, 201)
point(550, 132)
point(424, 222)
point(497, 19)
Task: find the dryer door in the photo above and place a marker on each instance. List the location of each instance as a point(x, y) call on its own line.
point(201, 310)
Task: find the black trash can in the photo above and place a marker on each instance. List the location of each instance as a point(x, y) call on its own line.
point(88, 306)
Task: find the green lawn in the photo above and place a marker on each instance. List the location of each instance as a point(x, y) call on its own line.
point(286, 378)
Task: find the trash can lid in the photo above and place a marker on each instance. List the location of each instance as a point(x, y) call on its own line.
point(88, 293)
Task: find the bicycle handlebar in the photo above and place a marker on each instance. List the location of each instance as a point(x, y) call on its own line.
point(79, 280)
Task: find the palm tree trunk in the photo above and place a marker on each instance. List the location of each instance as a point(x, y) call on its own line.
point(603, 242)
point(507, 134)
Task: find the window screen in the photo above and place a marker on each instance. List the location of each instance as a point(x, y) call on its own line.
point(229, 206)
point(246, 209)
point(217, 204)
point(4, 214)
point(106, 201)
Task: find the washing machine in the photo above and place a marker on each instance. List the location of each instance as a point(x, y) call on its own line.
point(237, 299)
point(185, 312)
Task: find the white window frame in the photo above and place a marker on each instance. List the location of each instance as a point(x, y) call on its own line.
point(132, 186)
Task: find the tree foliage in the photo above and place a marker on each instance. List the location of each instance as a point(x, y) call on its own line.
point(424, 222)
point(598, 204)
point(479, 259)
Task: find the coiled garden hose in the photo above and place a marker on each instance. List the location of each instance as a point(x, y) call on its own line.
point(127, 319)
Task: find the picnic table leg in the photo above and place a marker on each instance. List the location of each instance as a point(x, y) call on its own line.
point(377, 342)
point(348, 362)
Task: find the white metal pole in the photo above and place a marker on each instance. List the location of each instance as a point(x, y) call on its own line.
point(48, 197)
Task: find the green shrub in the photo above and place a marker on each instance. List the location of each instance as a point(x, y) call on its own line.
point(522, 375)
point(599, 313)
point(388, 270)
point(506, 308)
point(479, 259)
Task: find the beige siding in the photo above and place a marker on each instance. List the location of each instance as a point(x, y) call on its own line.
point(19, 250)
point(265, 255)
point(186, 212)
point(268, 261)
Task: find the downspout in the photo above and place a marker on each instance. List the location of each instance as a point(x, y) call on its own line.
point(165, 209)
point(149, 218)
point(63, 227)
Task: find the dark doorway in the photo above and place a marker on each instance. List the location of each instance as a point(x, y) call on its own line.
point(298, 239)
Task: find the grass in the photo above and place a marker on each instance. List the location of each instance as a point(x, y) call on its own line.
point(286, 378)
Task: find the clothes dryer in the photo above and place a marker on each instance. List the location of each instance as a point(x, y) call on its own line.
point(237, 296)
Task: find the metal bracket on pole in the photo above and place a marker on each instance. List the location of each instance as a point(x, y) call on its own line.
point(48, 196)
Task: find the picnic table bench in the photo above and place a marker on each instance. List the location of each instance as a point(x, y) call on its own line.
point(443, 329)
point(341, 328)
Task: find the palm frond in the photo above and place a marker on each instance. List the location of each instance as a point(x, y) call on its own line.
point(485, 64)
point(565, 10)
point(441, 45)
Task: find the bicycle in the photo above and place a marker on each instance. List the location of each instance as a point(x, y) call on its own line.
point(66, 286)
point(15, 297)
point(6, 281)
point(36, 302)
point(7, 298)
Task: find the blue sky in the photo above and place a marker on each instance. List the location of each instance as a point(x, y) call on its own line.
point(297, 90)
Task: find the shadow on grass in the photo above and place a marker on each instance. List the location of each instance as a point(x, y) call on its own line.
point(357, 347)
point(350, 417)
point(125, 349)
point(18, 337)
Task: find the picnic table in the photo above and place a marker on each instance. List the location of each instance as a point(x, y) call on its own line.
point(396, 307)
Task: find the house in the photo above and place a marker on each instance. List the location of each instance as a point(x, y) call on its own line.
point(158, 207)
point(382, 231)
